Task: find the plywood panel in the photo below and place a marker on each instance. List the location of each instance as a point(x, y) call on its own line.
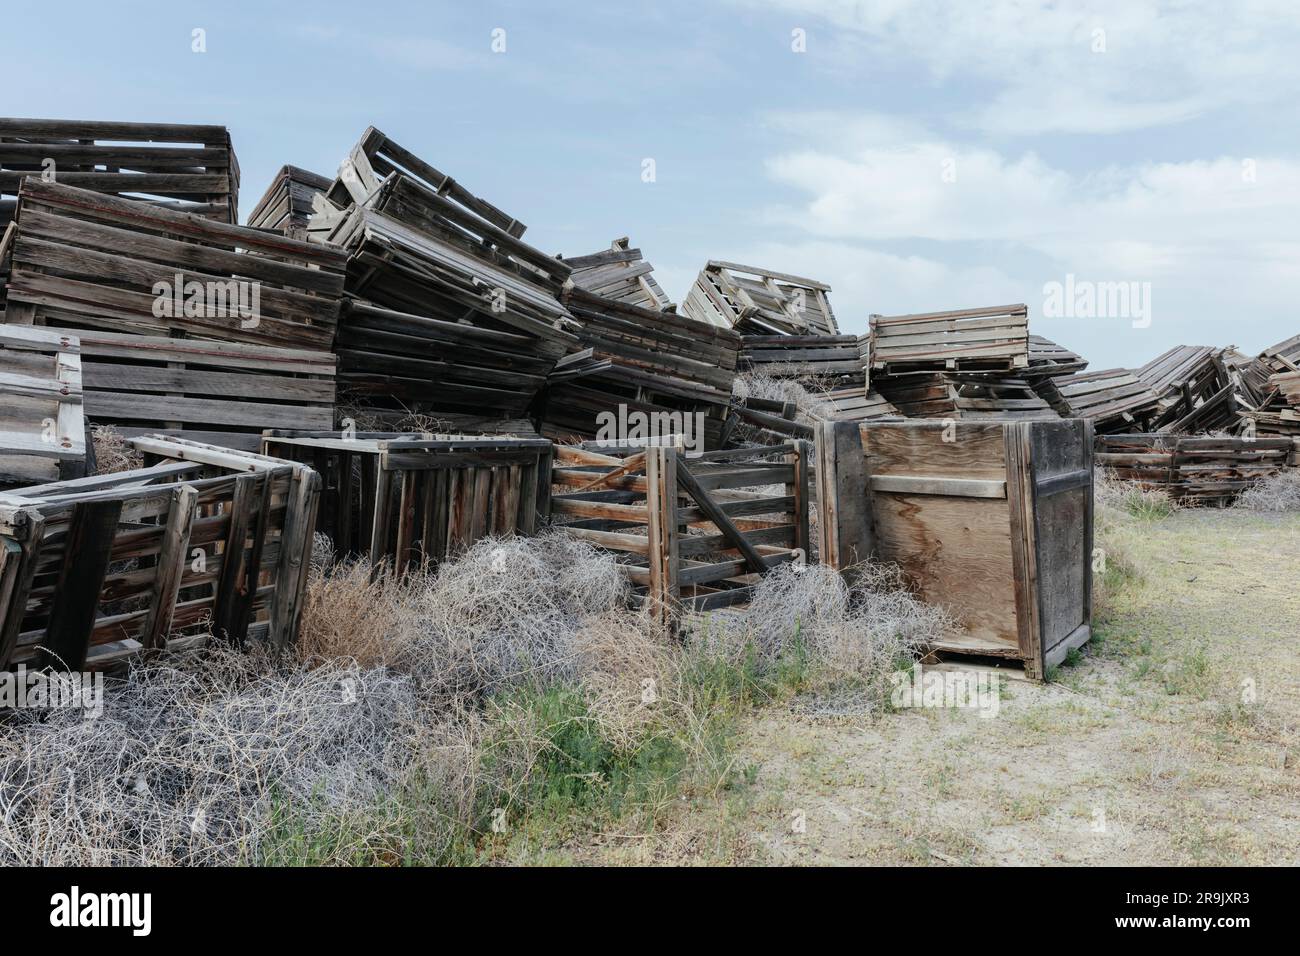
point(958, 551)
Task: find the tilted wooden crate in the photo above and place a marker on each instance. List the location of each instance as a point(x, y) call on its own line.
point(202, 540)
point(994, 522)
point(286, 205)
point(759, 301)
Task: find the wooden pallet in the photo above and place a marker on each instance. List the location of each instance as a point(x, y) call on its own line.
point(187, 167)
point(992, 520)
point(42, 425)
point(685, 529)
point(992, 338)
point(411, 498)
point(620, 273)
point(760, 301)
point(86, 260)
point(286, 206)
point(202, 540)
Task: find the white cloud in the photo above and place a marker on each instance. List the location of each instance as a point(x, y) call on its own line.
point(1216, 237)
point(1102, 66)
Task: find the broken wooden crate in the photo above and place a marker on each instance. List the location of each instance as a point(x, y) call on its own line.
point(992, 338)
point(286, 206)
point(410, 498)
point(994, 522)
point(202, 540)
point(622, 274)
point(42, 425)
point(1193, 469)
point(1114, 400)
point(183, 166)
point(689, 530)
point(759, 301)
point(1193, 388)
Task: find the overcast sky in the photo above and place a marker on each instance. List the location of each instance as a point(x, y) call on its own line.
point(916, 156)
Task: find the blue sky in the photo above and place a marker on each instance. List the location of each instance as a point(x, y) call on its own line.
point(916, 156)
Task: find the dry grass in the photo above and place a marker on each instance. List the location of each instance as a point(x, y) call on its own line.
point(807, 395)
point(513, 679)
point(1276, 493)
point(184, 766)
point(113, 453)
point(1118, 494)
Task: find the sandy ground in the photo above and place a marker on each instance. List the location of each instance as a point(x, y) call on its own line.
point(1173, 741)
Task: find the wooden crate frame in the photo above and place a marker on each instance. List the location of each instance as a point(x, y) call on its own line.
point(642, 503)
point(413, 499)
point(189, 167)
point(994, 522)
point(650, 362)
point(42, 423)
point(760, 301)
point(75, 556)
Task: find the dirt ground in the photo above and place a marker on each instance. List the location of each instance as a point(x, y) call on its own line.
point(1172, 741)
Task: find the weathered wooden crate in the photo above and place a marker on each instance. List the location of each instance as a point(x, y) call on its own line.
point(689, 530)
point(286, 206)
point(1193, 469)
point(630, 360)
point(992, 338)
point(452, 311)
point(42, 426)
point(226, 392)
point(200, 541)
point(83, 259)
point(620, 273)
point(819, 357)
point(184, 166)
point(994, 522)
point(1113, 399)
point(759, 301)
point(410, 498)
